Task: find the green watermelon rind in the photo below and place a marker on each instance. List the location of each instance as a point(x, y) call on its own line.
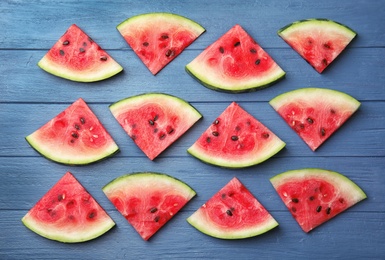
point(57, 235)
point(206, 227)
point(171, 16)
point(316, 22)
point(115, 107)
point(314, 93)
point(241, 88)
point(136, 177)
point(114, 149)
point(235, 164)
point(73, 75)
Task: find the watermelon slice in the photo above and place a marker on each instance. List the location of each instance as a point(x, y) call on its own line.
point(75, 56)
point(68, 213)
point(232, 213)
point(148, 200)
point(154, 120)
point(313, 196)
point(75, 137)
point(315, 113)
point(318, 41)
point(235, 140)
point(235, 63)
point(158, 38)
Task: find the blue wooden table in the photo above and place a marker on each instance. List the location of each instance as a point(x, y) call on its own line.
point(29, 97)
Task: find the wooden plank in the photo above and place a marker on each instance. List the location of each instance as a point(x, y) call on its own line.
point(30, 178)
point(360, 136)
point(262, 19)
point(342, 76)
point(333, 240)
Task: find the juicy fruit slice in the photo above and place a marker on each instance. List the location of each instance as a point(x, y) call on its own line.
point(232, 213)
point(68, 213)
point(315, 113)
point(158, 38)
point(75, 56)
point(235, 63)
point(318, 41)
point(75, 137)
point(313, 196)
point(148, 200)
point(154, 120)
point(236, 139)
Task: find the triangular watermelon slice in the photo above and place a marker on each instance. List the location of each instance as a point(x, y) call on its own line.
point(148, 200)
point(74, 137)
point(158, 38)
point(235, 63)
point(232, 213)
point(318, 41)
point(236, 139)
point(75, 56)
point(313, 196)
point(315, 113)
point(68, 213)
point(154, 120)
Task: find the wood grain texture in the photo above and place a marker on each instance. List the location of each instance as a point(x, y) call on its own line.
point(29, 97)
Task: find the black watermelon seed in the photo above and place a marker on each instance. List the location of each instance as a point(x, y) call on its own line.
point(319, 208)
point(265, 135)
point(327, 46)
point(221, 50)
point(162, 136)
point(216, 122)
point(237, 44)
point(170, 131)
point(164, 36)
point(156, 117)
point(234, 138)
point(229, 212)
point(77, 127)
point(61, 52)
point(82, 120)
point(103, 58)
point(293, 209)
point(332, 111)
point(170, 53)
point(252, 50)
point(156, 130)
point(92, 214)
point(295, 200)
point(223, 195)
point(323, 131)
point(60, 197)
point(74, 135)
point(237, 128)
point(145, 44)
point(257, 62)
point(208, 139)
point(328, 210)
point(153, 210)
point(215, 133)
point(341, 200)
point(66, 42)
point(325, 62)
point(311, 198)
point(151, 122)
point(156, 219)
point(311, 121)
point(81, 50)
point(72, 141)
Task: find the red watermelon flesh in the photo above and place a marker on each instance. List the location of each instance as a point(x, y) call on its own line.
point(68, 213)
point(154, 121)
point(315, 113)
point(75, 56)
point(235, 63)
point(75, 136)
point(314, 196)
point(148, 200)
point(318, 41)
point(232, 213)
point(158, 38)
point(236, 139)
